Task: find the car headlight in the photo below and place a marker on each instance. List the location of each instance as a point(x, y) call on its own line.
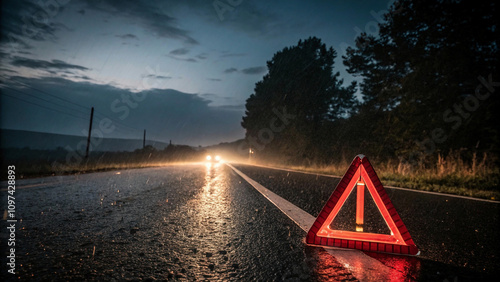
point(209, 158)
point(217, 158)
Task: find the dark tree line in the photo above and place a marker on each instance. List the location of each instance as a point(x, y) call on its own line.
point(300, 82)
point(427, 82)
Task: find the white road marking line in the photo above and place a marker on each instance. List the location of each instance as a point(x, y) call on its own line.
point(362, 266)
point(388, 187)
point(303, 219)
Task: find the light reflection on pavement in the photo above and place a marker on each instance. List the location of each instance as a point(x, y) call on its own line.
point(190, 222)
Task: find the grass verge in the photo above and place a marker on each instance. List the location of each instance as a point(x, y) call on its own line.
point(450, 175)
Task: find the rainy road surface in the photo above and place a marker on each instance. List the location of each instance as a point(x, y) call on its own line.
point(206, 222)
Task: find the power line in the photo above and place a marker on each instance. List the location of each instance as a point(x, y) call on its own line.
point(48, 101)
point(46, 93)
point(41, 106)
point(56, 110)
point(68, 101)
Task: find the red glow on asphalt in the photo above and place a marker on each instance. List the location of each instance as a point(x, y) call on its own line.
point(403, 268)
point(328, 268)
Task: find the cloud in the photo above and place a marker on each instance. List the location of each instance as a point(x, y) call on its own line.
point(3, 54)
point(257, 18)
point(73, 76)
point(23, 20)
point(190, 60)
point(41, 64)
point(209, 96)
point(163, 77)
point(13, 43)
point(168, 114)
point(180, 51)
point(127, 36)
point(158, 76)
point(202, 56)
point(6, 70)
point(214, 79)
point(254, 70)
point(230, 70)
point(148, 14)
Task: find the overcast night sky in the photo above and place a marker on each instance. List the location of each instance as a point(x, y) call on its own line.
point(182, 70)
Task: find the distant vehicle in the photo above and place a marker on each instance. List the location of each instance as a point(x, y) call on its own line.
point(213, 158)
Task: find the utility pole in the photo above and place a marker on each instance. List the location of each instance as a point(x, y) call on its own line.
point(144, 140)
point(90, 130)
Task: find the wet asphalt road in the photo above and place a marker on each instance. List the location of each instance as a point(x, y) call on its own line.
point(190, 222)
point(203, 222)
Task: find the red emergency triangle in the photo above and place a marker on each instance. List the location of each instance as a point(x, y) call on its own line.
point(361, 173)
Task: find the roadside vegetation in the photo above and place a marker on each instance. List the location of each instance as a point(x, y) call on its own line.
point(453, 174)
point(479, 178)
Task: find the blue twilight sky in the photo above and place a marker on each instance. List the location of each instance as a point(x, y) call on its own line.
point(182, 70)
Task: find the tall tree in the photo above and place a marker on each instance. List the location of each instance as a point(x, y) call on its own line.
point(421, 72)
point(300, 81)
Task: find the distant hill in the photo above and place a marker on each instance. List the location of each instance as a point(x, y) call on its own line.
point(48, 141)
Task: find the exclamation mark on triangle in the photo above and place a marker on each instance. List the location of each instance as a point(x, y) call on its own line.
point(360, 204)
